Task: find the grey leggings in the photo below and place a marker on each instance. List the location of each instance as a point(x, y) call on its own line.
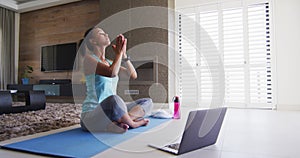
point(111, 109)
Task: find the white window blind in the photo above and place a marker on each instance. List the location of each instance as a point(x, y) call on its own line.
point(259, 54)
point(209, 45)
point(187, 60)
point(234, 57)
point(240, 37)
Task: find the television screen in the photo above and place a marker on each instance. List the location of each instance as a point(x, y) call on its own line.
point(59, 57)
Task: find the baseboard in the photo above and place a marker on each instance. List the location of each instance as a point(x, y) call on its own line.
point(283, 107)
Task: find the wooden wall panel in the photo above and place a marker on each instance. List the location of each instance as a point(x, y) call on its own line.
point(67, 23)
point(140, 36)
point(54, 25)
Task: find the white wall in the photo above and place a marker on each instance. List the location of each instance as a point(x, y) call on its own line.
point(286, 48)
point(287, 44)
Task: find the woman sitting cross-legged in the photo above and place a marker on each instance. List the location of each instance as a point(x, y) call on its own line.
point(102, 109)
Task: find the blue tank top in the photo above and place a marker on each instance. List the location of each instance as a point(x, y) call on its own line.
point(98, 88)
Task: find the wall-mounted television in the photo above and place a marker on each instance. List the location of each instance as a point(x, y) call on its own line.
point(58, 57)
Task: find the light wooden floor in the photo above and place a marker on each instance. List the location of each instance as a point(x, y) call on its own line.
point(245, 134)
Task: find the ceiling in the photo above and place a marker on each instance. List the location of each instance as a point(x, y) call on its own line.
point(22, 1)
point(22, 6)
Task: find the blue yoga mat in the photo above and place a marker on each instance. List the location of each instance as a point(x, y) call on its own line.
point(78, 143)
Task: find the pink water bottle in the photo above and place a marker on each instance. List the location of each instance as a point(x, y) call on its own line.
point(176, 114)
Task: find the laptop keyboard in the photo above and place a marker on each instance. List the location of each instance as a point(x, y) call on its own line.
point(174, 146)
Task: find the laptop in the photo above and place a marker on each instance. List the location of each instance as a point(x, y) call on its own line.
point(202, 129)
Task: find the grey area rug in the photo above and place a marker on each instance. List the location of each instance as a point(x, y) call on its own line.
point(55, 116)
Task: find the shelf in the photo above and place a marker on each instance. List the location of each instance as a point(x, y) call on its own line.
point(52, 89)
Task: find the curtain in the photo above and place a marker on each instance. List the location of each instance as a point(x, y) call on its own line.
point(7, 47)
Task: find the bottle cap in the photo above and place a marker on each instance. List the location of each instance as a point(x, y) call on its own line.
point(176, 99)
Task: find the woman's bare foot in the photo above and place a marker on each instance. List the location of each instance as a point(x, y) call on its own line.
point(133, 123)
point(138, 123)
point(146, 122)
point(117, 127)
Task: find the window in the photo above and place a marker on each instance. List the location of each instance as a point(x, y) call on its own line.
point(225, 56)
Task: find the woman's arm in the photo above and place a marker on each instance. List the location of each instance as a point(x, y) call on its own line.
point(128, 70)
point(91, 65)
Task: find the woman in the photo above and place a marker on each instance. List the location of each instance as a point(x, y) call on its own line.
point(102, 109)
